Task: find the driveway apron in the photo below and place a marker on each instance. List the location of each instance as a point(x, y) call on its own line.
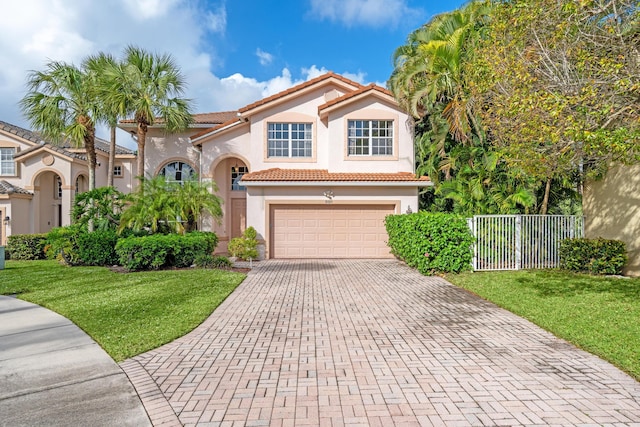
point(372, 342)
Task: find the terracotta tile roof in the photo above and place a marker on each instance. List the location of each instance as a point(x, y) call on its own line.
point(298, 88)
point(355, 93)
point(324, 175)
point(215, 128)
point(8, 188)
point(212, 118)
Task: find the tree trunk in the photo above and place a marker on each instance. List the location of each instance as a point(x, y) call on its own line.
point(142, 135)
point(545, 199)
point(90, 146)
point(112, 156)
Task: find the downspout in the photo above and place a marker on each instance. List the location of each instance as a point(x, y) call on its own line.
point(199, 150)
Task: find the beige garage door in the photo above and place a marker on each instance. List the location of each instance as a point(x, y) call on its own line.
point(329, 231)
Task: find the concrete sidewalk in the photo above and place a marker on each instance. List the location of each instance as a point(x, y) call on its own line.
point(54, 374)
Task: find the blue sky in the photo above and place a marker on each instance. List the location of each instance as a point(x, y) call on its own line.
point(232, 52)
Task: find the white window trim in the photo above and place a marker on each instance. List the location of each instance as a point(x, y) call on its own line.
point(370, 138)
point(291, 140)
point(6, 161)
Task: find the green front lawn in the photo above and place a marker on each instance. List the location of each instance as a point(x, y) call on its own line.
point(598, 314)
point(127, 314)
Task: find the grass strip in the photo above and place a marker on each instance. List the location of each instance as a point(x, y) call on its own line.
point(127, 314)
point(598, 314)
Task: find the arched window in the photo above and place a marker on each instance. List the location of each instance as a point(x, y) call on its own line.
point(177, 171)
point(81, 184)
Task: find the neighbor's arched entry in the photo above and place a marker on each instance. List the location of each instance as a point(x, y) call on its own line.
point(49, 202)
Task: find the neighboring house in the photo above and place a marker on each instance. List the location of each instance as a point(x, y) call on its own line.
point(38, 180)
point(612, 210)
point(314, 169)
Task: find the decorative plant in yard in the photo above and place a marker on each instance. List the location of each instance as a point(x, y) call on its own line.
point(431, 242)
point(163, 206)
point(245, 247)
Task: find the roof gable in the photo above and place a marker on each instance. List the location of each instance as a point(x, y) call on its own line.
point(292, 92)
point(371, 90)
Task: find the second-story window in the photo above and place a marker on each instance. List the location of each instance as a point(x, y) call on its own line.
point(7, 164)
point(289, 140)
point(370, 137)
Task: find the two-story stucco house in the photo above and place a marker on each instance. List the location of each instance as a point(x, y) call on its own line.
point(314, 169)
point(38, 180)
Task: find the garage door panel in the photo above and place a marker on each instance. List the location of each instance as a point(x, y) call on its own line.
point(329, 231)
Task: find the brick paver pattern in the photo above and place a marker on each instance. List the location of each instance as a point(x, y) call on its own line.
point(373, 343)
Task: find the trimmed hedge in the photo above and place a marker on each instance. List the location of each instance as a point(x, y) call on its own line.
point(431, 242)
point(26, 247)
point(594, 256)
point(98, 247)
point(162, 251)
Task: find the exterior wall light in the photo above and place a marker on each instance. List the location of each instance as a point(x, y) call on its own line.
point(7, 219)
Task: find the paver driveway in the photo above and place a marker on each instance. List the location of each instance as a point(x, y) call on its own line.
point(344, 342)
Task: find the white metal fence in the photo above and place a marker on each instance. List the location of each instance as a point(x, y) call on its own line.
point(514, 242)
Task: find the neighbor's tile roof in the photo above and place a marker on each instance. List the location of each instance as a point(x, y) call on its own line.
point(298, 88)
point(20, 132)
point(355, 93)
point(324, 175)
point(213, 118)
point(61, 148)
point(56, 148)
point(8, 188)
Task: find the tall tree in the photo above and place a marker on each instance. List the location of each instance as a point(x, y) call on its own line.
point(149, 87)
point(428, 71)
point(110, 112)
point(559, 83)
point(429, 80)
point(62, 105)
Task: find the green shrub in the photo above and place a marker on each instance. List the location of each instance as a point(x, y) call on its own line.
point(161, 251)
point(26, 247)
point(245, 247)
point(98, 247)
point(594, 256)
point(142, 253)
point(431, 242)
point(62, 244)
point(210, 261)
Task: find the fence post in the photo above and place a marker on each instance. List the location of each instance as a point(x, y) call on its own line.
point(471, 223)
point(518, 242)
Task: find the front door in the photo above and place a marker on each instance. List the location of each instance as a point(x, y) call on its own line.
point(238, 217)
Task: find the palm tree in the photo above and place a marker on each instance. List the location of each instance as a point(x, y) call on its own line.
point(62, 105)
point(164, 206)
point(429, 69)
point(149, 88)
point(110, 113)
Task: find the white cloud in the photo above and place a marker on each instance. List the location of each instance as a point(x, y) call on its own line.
point(265, 58)
point(142, 10)
point(69, 30)
point(217, 21)
point(373, 13)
